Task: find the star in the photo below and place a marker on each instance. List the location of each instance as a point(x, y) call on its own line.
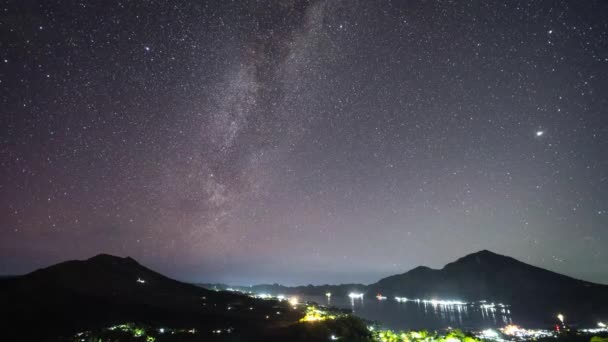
point(540, 133)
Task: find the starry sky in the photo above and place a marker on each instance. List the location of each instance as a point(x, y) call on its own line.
point(304, 141)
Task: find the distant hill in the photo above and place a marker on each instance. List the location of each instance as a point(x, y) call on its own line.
point(7, 276)
point(106, 275)
point(311, 290)
point(490, 276)
point(479, 276)
point(104, 290)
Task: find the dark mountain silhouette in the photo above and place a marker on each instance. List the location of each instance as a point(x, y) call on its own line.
point(104, 290)
point(106, 275)
point(479, 276)
point(489, 276)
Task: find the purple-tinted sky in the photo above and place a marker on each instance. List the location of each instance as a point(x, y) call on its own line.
point(304, 142)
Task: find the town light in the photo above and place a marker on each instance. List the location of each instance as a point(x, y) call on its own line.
point(489, 333)
point(511, 329)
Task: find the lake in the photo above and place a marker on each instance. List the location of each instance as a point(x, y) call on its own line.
point(411, 314)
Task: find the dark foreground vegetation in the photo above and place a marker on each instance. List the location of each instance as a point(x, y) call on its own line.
point(344, 328)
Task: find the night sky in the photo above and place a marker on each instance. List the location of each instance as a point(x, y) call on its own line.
point(304, 142)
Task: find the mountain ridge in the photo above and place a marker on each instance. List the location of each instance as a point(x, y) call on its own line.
point(485, 255)
point(485, 275)
point(482, 275)
point(104, 290)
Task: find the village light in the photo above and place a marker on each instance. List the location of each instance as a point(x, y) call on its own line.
point(490, 333)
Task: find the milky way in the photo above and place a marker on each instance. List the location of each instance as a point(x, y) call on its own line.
point(304, 141)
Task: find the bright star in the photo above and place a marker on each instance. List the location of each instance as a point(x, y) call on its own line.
point(539, 133)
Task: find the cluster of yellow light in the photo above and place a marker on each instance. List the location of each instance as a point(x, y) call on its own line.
point(511, 330)
point(314, 315)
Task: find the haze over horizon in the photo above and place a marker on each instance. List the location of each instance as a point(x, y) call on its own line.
point(304, 142)
point(244, 279)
